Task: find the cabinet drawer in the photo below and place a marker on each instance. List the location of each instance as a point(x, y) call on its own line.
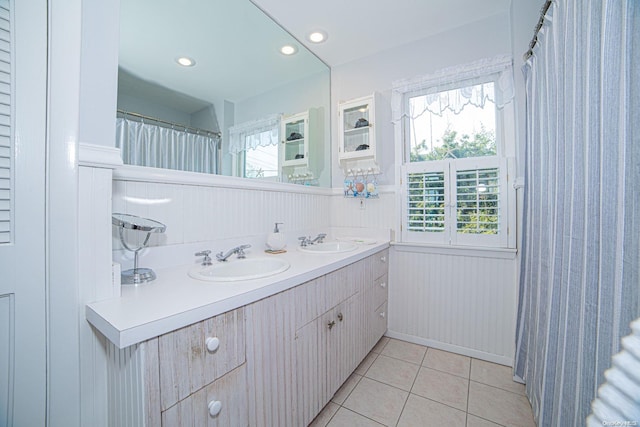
point(231, 393)
point(378, 291)
point(380, 263)
point(380, 321)
point(377, 325)
point(186, 362)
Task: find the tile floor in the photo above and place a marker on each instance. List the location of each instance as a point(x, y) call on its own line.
point(404, 384)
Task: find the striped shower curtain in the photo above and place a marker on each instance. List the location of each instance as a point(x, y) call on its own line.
point(580, 281)
point(147, 144)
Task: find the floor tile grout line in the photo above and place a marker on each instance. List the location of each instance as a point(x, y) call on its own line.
point(488, 385)
point(405, 360)
point(488, 420)
point(411, 388)
point(441, 403)
point(444, 351)
point(444, 372)
point(369, 367)
point(349, 394)
point(334, 414)
point(358, 413)
point(390, 385)
point(500, 388)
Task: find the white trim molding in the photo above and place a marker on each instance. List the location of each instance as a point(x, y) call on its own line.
point(169, 176)
point(472, 251)
point(99, 156)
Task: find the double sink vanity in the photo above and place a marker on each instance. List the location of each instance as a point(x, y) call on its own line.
point(263, 340)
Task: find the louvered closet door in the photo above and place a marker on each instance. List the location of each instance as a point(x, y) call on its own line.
point(23, 53)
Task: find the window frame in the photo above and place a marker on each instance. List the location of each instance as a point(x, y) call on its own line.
point(248, 129)
point(504, 160)
point(242, 165)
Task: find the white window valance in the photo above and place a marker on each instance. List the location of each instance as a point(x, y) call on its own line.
point(454, 87)
point(256, 133)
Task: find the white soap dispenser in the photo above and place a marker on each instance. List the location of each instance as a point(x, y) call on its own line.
point(276, 240)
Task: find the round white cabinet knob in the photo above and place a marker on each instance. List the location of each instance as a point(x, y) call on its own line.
point(383, 259)
point(215, 406)
point(382, 314)
point(212, 344)
point(383, 284)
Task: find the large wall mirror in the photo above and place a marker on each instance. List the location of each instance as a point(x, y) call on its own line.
point(240, 108)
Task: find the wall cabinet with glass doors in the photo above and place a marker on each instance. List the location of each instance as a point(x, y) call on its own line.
point(357, 136)
point(300, 145)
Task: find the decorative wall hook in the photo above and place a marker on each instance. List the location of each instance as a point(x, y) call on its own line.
point(361, 183)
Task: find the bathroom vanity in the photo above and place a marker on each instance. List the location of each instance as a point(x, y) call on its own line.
point(262, 352)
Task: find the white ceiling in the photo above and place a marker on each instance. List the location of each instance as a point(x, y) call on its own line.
point(359, 28)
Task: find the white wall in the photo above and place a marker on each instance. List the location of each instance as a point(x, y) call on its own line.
point(439, 298)
point(481, 39)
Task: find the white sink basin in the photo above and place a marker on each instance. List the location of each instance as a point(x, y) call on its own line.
point(329, 248)
point(240, 269)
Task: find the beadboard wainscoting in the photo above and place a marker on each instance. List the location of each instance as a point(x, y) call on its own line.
point(126, 380)
point(377, 213)
point(96, 164)
point(210, 209)
point(459, 300)
point(463, 303)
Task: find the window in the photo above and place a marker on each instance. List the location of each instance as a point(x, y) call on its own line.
point(261, 162)
point(255, 147)
point(456, 137)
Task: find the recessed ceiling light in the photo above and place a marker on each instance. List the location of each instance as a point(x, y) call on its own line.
point(318, 36)
point(288, 49)
point(185, 61)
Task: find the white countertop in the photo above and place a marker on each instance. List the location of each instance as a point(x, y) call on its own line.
point(175, 300)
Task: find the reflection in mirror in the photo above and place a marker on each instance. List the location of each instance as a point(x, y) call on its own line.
point(240, 108)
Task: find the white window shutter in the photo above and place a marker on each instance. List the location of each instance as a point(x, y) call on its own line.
point(480, 199)
point(6, 152)
point(426, 203)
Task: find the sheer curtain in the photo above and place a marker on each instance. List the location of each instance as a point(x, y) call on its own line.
point(580, 282)
point(256, 133)
point(147, 144)
point(454, 87)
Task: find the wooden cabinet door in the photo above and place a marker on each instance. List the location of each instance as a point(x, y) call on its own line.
point(345, 342)
point(271, 362)
point(311, 360)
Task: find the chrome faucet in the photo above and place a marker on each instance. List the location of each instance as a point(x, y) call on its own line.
point(207, 259)
point(319, 238)
point(237, 250)
point(305, 241)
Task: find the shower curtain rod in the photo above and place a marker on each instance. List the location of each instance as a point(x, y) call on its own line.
point(534, 40)
point(176, 125)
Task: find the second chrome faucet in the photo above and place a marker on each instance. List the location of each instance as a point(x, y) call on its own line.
point(304, 241)
point(221, 256)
